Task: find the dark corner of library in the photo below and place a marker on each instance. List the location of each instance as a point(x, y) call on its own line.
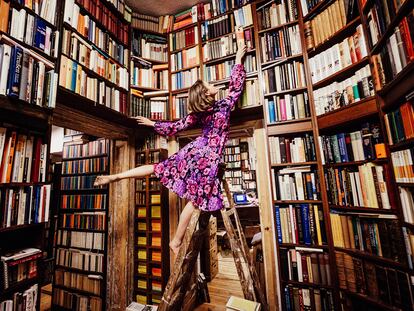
point(208, 155)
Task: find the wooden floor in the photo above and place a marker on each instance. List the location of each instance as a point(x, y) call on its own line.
point(224, 285)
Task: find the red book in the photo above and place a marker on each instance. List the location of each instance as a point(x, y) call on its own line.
point(405, 34)
point(36, 160)
point(304, 268)
point(288, 155)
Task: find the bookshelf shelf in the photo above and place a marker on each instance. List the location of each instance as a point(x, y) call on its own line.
point(184, 48)
point(19, 286)
point(297, 90)
point(183, 90)
point(85, 157)
point(278, 61)
point(402, 145)
point(294, 164)
point(364, 108)
point(408, 225)
point(23, 227)
point(297, 201)
point(292, 245)
point(24, 108)
point(75, 290)
point(290, 128)
point(357, 163)
point(184, 69)
point(357, 209)
point(403, 11)
point(278, 27)
point(249, 75)
point(81, 230)
point(150, 32)
point(317, 9)
point(224, 58)
point(306, 284)
point(21, 184)
point(97, 251)
point(146, 88)
point(371, 301)
point(184, 27)
point(224, 35)
point(279, 123)
point(405, 184)
point(337, 37)
point(81, 271)
point(341, 74)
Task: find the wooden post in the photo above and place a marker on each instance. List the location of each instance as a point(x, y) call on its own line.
point(174, 213)
point(266, 219)
point(120, 266)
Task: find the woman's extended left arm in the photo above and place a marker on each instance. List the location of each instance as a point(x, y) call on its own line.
point(168, 128)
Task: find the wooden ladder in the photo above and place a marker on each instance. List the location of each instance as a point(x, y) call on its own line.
point(179, 282)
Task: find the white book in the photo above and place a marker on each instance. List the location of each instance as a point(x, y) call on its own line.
point(40, 84)
point(28, 158)
point(3, 132)
point(21, 24)
point(354, 190)
point(4, 65)
point(9, 208)
point(68, 11)
point(292, 223)
point(22, 158)
point(299, 265)
point(359, 189)
point(395, 53)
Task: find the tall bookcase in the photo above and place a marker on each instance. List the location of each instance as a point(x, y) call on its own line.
point(80, 243)
point(152, 267)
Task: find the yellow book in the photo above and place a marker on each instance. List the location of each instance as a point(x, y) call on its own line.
point(142, 240)
point(142, 212)
point(142, 268)
point(142, 284)
point(318, 224)
point(142, 254)
point(156, 211)
point(156, 225)
point(141, 299)
point(240, 304)
point(155, 199)
point(142, 226)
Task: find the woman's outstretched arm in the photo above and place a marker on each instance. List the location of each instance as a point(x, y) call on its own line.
point(167, 128)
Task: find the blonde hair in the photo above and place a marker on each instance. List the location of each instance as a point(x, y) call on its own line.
point(198, 101)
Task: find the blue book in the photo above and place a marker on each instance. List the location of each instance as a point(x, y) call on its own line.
point(272, 111)
point(278, 224)
point(36, 198)
point(74, 74)
point(304, 211)
point(40, 34)
point(342, 147)
point(15, 72)
point(287, 299)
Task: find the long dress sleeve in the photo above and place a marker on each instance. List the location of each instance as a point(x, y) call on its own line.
point(237, 78)
point(167, 128)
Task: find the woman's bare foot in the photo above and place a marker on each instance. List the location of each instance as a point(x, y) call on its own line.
point(175, 246)
point(103, 180)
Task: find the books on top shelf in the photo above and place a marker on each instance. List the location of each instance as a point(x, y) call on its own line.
point(295, 183)
point(153, 76)
point(26, 299)
point(243, 17)
point(185, 59)
point(399, 123)
point(74, 301)
point(350, 51)
point(396, 54)
point(378, 235)
point(221, 71)
point(380, 282)
point(160, 24)
point(316, 298)
point(284, 77)
point(25, 77)
point(273, 14)
point(184, 18)
point(332, 19)
point(217, 27)
point(287, 107)
point(302, 264)
point(184, 79)
point(149, 46)
point(292, 149)
point(343, 93)
point(219, 7)
point(79, 50)
point(281, 43)
point(183, 38)
point(302, 224)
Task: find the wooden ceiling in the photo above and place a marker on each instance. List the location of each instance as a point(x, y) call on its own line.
point(160, 7)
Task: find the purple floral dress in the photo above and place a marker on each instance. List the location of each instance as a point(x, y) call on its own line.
point(192, 171)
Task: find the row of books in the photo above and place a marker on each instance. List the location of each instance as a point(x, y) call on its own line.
point(24, 205)
point(402, 162)
point(140, 185)
point(409, 244)
point(17, 266)
point(78, 281)
point(217, 27)
point(399, 123)
point(87, 56)
point(23, 157)
point(160, 24)
point(142, 269)
point(343, 93)
point(74, 301)
point(155, 211)
point(303, 264)
point(94, 165)
point(152, 108)
point(78, 182)
point(222, 70)
point(86, 220)
point(287, 107)
point(281, 43)
point(364, 186)
point(380, 16)
point(250, 95)
point(355, 146)
point(300, 224)
point(219, 7)
point(153, 285)
point(183, 38)
point(328, 22)
point(292, 149)
point(184, 79)
point(407, 204)
point(152, 255)
point(396, 54)
point(98, 12)
point(26, 299)
point(185, 59)
point(150, 47)
point(243, 17)
point(226, 45)
point(33, 31)
point(25, 77)
point(284, 77)
point(152, 240)
point(83, 260)
point(46, 9)
point(155, 77)
point(385, 284)
point(92, 241)
point(274, 14)
point(350, 51)
point(80, 80)
point(154, 141)
point(93, 148)
point(308, 5)
point(179, 106)
point(295, 183)
point(377, 235)
point(155, 226)
point(298, 298)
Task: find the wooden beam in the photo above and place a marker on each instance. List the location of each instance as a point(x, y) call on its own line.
point(173, 208)
point(266, 218)
point(120, 265)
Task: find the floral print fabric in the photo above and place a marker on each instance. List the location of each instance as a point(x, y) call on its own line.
point(192, 171)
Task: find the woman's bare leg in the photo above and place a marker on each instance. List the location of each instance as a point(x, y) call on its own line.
point(137, 172)
point(185, 218)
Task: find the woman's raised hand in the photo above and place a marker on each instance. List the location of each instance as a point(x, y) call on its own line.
point(241, 51)
point(144, 121)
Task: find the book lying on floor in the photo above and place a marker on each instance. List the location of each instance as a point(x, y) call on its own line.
point(240, 304)
point(139, 307)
